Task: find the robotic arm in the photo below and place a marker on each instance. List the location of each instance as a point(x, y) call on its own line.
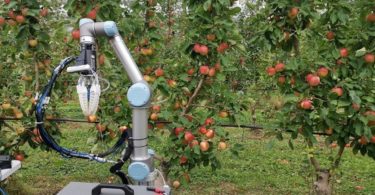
point(141, 170)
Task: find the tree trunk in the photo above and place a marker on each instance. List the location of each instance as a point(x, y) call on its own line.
point(322, 184)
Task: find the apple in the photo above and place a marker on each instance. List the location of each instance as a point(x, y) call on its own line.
point(154, 116)
point(7, 2)
point(212, 72)
point(209, 121)
point(211, 37)
point(359, 188)
point(330, 35)
point(281, 80)
point(222, 47)
point(306, 104)
point(210, 134)
point(193, 143)
point(92, 14)
point(344, 52)
point(151, 24)
point(371, 17)
point(19, 156)
point(101, 59)
point(271, 71)
point(24, 11)
point(159, 72)
point(101, 128)
point(156, 108)
point(191, 71)
point(176, 184)
point(217, 66)
point(323, 72)
point(172, 83)
point(371, 115)
point(369, 58)
point(91, 118)
point(76, 34)
point(338, 91)
point(178, 130)
point(223, 114)
point(202, 130)
point(20, 19)
point(189, 136)
point(2, 21)
point(222, 145)
point(279, 67)
point(43, 12)
point(117, 109)
point(197, 48)
point(314, 81)
point(204, 70)
point(183, 160)
point(355, 106)
point(204, 145)
point(363, 140)
point(11, 14)
point(292, 81)
point(333, 145)
point(293, 12)
point(203, 50)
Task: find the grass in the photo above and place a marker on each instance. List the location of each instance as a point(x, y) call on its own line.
point(257, 170)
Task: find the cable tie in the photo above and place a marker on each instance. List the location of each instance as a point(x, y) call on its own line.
point(39, 123)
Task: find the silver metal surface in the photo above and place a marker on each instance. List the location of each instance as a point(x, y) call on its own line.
point(140, 128)
point(87, 39)
point(126, 59)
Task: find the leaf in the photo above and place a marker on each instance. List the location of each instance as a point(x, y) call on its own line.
point(360, 52)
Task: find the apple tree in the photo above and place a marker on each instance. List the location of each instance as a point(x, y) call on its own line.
point(323, 63)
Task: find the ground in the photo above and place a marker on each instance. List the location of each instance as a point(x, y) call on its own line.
point(265, 166)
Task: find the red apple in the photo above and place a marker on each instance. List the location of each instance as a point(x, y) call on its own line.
point(210, 134)
point(306, 104)
point(281, 80)
point(2, 21)
point(178, 130)
point(203, 50)
point(323, 72)
point(76, 34)
point(209, 121)
point(369, 58)
point(344, 52)
point(314, 81)
point(370, 17)
point(92, 14)
point(193, 143)
point(211, 72)
point(204, 145)
point(183, 160)
point(197, 48)
point(279, 67)
point(20, 19)
point(202, 130)
point(293, 12)
point(191, 71)
point(204, 70)
point(355, 106)
point(159, 72)
point(271, 71)
point(330, 35)
point(172, 83)
point(338, 91)
point(43, 12)
point(189, 136)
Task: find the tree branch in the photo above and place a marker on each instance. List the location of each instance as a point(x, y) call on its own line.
point(196, 91)
point(336, 163)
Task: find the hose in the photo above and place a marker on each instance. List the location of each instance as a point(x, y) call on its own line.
point(48, 139)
